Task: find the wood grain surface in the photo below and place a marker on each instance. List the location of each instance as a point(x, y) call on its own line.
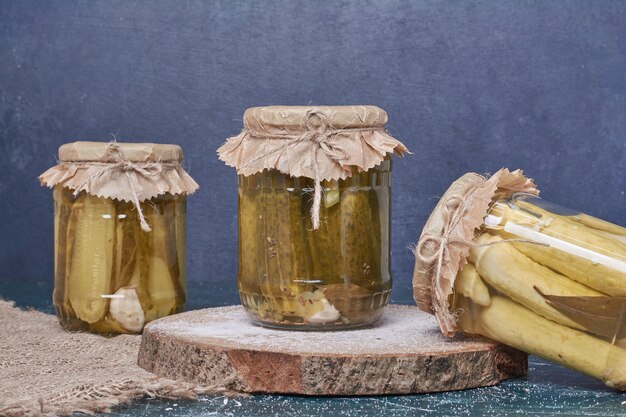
point(404, 353)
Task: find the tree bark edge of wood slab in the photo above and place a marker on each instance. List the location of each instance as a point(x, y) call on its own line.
point(214, 355)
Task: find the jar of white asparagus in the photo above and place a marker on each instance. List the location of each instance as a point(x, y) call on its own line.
point(497, 261)
point(119, 227)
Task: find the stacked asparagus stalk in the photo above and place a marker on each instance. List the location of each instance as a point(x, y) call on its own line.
point(293, 275)
point(112, 277)
point(560, 297)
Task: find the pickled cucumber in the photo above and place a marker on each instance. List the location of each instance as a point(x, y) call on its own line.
point(92, 257)
point(180, 230)
point(324, 243)
point(162, 260)
point(125, 247)
point(248, 236)
point(358, 256)
point(282, 238)
point(63, 242)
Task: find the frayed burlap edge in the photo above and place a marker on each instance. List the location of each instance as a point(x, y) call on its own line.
point(102, 399)
point(25, 371)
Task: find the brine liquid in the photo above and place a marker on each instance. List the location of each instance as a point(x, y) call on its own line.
point(111, 276)
point(334, 277)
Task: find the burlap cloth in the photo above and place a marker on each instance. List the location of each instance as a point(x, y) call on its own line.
point(46, 371)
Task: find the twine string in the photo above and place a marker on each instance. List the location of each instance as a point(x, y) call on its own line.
point(442, 241)
point(122, 164)
point(321, 137)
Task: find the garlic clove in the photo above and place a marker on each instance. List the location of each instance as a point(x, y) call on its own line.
point(125, 308)
point(327, 314)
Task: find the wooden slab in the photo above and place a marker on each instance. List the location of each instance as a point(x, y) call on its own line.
point(404, 353)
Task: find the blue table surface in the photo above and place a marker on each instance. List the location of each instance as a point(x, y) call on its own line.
point(548, 390)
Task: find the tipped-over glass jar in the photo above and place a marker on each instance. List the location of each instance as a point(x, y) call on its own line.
point(540, 278)
point(313, 244)
point(119, 227)
point(551, 282)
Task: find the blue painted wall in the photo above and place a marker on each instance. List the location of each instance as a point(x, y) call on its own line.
point(467, 85)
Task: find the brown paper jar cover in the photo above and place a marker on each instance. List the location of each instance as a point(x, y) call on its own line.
point(114, 170)
point(318, 142)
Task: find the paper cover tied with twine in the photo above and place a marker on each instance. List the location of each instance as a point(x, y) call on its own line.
point(317, 142)
point(448, 236)
point(131, 172)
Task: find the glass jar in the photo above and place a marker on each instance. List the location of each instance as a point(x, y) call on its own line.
point(110, 275)
point(314, 215)
point(551, 282)
point(292, 275)
point(119, 234)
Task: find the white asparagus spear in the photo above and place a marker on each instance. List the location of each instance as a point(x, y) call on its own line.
point(511, 323)
point(470, 285)
point(515, 275)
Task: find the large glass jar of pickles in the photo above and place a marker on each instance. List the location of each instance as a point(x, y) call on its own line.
point(543, 279)
point(119, 227)
point(314, 215)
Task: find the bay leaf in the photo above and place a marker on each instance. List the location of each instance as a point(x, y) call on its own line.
point(603, 316)
point(352, 301)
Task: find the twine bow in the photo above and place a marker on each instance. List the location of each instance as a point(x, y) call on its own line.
point(122, 164)
point(321, 135)
point(442, 241)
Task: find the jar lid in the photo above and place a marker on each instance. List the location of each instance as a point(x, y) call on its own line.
point(294, 119)
point(448, 235)
point(133, 152)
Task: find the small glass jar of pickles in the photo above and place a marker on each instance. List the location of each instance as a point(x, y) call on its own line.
point(119, 227)
point(543, 279)
point(314, 215)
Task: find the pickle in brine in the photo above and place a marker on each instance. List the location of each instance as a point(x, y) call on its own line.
point(92, 256)
point(125, 245)
point(163, 285)
point(180, 203)
point(324, 243)
point(249, 249)
point(285, 273)
point(63, 241)
point(358, 264)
